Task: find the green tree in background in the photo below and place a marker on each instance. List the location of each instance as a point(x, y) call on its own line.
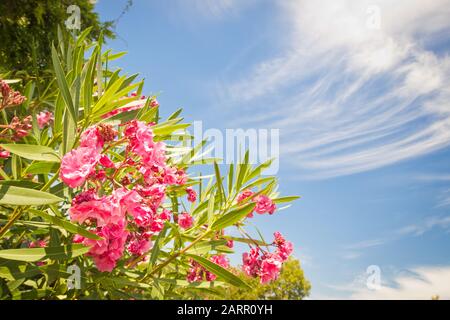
point(290, 285)
point(28, 28)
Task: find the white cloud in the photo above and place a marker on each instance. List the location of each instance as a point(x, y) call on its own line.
point(350, 98)
point(421, 283)
point(426, 226)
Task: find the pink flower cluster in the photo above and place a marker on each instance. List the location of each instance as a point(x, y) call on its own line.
point(266, 265)
point(198, 273)
point(9, 97)
point(44, 118)
point(185, 220)
point(263, 203)
point(131, 212)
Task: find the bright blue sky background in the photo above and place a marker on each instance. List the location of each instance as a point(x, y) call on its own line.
point(363, 111)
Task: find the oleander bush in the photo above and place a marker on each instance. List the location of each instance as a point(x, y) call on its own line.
point(100, 197)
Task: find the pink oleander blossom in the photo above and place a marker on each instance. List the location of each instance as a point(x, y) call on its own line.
point(192, 195)
point(264, 204)
point(109, 250)
point(251, 262)
point(270, 268)
point(284, 247)
point(77, 165)
point(139, 246)
point(91, 138)
point(4, 153)
point(185, 220)
point(105, 210)
point(244, 195)
point(106, 162)
point(38, 244)
point(44, 118)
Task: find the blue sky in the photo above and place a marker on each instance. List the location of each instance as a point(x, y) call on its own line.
point(360, 92)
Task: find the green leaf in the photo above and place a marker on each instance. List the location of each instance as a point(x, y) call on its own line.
point(22, 196)
point(233, 216)
point(211, 204)
point(220, 272)
point(62, 83)
point(36, 254)
point(20, 183)
point(259, 181)
point(259, 169)
point(32, 152)
point(206, 246)
point(185, 283)
point(248, 241)
point(285, 199)
point(219, 184)
point(168, 129)
point(41, 167)
point(66, 225)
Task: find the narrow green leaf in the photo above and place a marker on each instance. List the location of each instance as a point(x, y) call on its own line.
point(36, 254)
point(41, 167)
point(32, 152)
point(62, 83)
point(211, 204)
point(233, 216)
point(220, 272)
point(22, 196)
point(285, 199)
point(66, 225)
point(248, 241)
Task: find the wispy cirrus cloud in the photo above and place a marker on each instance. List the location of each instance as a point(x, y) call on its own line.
point(350, 95)
point(429, 224)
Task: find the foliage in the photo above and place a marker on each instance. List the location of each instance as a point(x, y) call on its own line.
point(290, 285)
point(28, 28)
point(40, 235)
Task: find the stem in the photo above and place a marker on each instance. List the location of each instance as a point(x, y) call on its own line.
point(14, 217)
point(245, 234)
point(177, 254)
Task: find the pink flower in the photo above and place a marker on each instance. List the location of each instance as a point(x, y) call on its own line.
point(221, 260)
point(196, 272)
point(284, 247)
point(230, 244)
point(91, 138)
point(78, 239)
point(4, 153)
point(192, 195)
point(106, 162)
point(165, 215)
point(185, 220)
point(77, 165)
point(251, 262)
point(139, 246)
point(44, 118)
point(38, 244)
point(270, 268)
point(264, 204)
point(106, 210)
point(244, 195)
point(84, 196)
point(107, 251)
